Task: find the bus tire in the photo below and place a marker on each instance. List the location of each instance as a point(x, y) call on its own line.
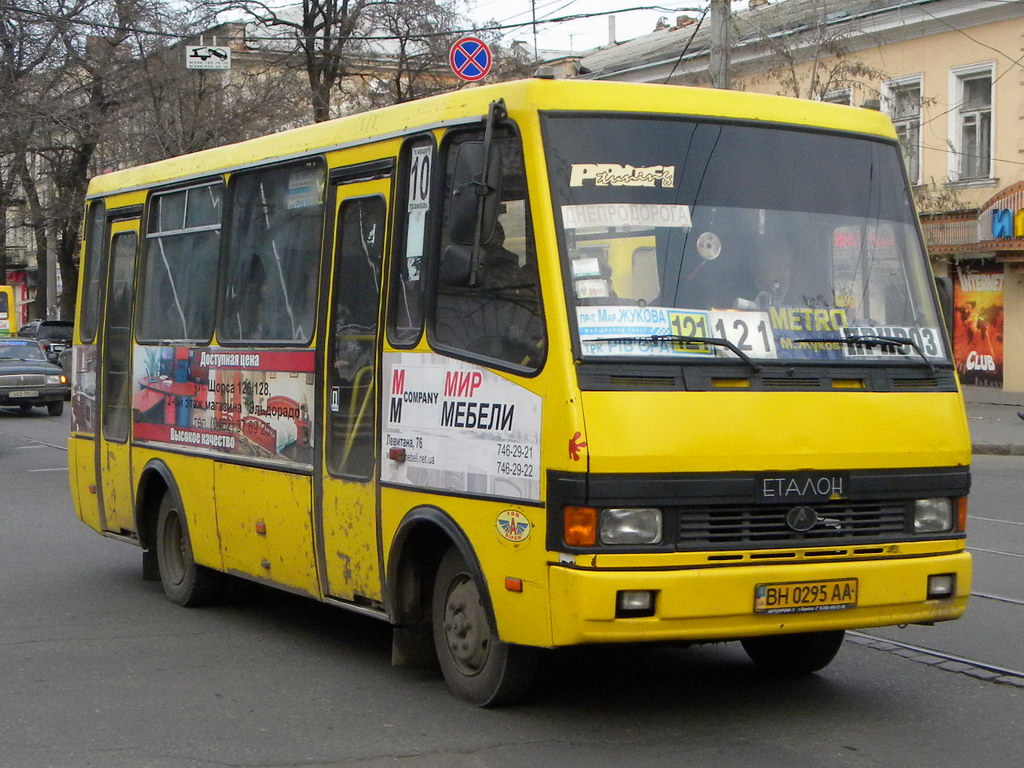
point(184, 582)
point(477, 666)
point(798, 654)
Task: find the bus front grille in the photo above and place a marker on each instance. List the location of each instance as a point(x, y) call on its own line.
point(765, 527)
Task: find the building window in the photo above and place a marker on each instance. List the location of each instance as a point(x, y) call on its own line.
point(842, 96)
point(974, 125)
point(904, 105)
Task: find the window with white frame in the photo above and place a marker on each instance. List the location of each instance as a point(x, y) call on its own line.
point(904, 105)
point(973, 129)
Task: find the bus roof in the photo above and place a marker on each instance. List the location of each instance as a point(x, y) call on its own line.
point(521, 97)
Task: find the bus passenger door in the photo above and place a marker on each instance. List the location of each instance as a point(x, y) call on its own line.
point(113, 466)
point(347, 455)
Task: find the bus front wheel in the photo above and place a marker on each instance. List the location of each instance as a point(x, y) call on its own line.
point(184, 582)
point(798, 654)
point(477, 666)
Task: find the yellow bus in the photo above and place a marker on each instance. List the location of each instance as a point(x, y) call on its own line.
point(532, 365)
point(8, 312)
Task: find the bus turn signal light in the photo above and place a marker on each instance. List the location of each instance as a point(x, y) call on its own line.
point(580, 524)
point(961, 514)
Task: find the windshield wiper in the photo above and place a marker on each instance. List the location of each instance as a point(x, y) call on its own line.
point(868, 338)
point(715, 342)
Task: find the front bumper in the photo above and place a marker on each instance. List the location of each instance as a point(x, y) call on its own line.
point(9, 396)
point(717, 603)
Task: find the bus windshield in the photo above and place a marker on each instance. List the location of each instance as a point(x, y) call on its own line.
point(787, 244)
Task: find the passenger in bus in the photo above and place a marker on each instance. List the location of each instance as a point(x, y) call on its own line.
point(771, 271)
point(511, 325)
point(266, 318)
point(499, 267)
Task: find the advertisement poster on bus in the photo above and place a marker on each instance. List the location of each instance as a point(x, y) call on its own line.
point(978, 323)
point(457, 427)
point(246, 403)
point(84, 410)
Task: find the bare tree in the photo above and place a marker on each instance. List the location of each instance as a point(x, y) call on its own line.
point(359, 54)
point(28, 41)
point(809, 56)
point(410, 59)
point(79, 98)
point(319, 35)
point(174, 111)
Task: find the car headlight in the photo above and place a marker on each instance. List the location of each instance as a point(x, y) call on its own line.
point(56, 379)
point(933, 515)
point(630, 525)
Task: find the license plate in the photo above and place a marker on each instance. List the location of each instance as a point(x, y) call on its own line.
point(805, 596)
point(23, 393)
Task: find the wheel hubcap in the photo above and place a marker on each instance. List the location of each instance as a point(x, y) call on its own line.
point(174, 550)
point(465, 627)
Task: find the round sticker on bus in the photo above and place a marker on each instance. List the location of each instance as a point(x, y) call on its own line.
point(514, 526)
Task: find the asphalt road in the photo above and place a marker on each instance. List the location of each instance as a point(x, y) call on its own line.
point(990, 631)
point(98, 669)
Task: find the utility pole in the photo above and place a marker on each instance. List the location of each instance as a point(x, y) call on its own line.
point(720, 43)
point(533, 8)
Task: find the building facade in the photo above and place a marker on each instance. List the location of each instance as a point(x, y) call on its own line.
point(950, 74)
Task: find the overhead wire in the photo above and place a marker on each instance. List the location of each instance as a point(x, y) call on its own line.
point(687, 46)
point(96, 24)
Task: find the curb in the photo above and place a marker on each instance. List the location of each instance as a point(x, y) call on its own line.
point(997, 449)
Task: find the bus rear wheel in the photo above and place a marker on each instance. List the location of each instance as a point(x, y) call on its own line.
point(184, 582)
point(798, 654)
point(477, 666)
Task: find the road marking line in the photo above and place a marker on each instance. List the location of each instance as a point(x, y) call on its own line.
point(969, 666)
point(995, 552)
point(994, 520)
point(49, 469)
point(999, 598)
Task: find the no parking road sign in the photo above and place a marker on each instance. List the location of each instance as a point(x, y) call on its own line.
point(470, 59)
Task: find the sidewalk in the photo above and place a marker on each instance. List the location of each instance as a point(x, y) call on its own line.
point(992, 418)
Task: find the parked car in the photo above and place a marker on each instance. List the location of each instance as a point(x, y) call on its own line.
point(28, 379)
point(55, 336)
point(28, 330)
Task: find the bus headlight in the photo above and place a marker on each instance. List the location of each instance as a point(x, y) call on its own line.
point(933, 515)
point(630, 525)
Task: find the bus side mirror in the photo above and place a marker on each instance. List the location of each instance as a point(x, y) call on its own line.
point(456, 265)
point(468, 187)
point(944, 287)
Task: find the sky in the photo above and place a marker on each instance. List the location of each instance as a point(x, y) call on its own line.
point(579, 34)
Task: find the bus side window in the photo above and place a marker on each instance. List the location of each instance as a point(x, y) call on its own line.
point(405, 305)
point(95, 232)
point(353, 336)
point(183, 243)
point(273, 254)
point(499, 318)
